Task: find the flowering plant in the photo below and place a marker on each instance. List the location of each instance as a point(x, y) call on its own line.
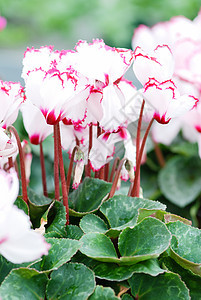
point(89, 238)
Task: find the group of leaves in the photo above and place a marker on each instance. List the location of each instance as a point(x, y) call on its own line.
point(120, 248)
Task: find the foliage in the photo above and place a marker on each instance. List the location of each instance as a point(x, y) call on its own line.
point(143, 253)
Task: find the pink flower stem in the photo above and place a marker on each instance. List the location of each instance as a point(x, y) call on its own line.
point(22, 165)
point(135, 192)
point(116, 161)
point(62, 174)
point(159, 155)
point(106, 173)
point(10, 163)
point(43, 172)
point(56, 165)
point(88, 167)
point(70, 168)
point(116, 178)
point(138, 142)
point(130, 189)
point(102, 173)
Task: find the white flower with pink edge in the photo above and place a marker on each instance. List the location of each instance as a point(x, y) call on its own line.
point(18, 242)
point(11, 97)
point(165, 102)
point(159, 64)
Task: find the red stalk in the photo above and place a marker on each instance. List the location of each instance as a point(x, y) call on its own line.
point(70, 168)
point(56, 165)
point(159, 155)
point(106, 171)
point(138, 142)
point(43, 172)
point(62, 174)
point(88, 167)
point(116, 161)
point(102, 173)
point(22, 165)
point(135, 192)
point(116, 178)
point(10, 163)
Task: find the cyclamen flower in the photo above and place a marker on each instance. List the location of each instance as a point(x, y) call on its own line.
point(165, 101)
point(104, 66)
point(18, 242)
point(57, 89)
point(11, 97)
point(158, 65)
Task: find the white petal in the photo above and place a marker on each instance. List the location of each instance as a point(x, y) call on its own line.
point(19, 242)
point(165, 133)
point(34, 123)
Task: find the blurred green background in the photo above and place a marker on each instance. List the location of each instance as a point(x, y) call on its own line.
point(66, 21)
point(63, 22)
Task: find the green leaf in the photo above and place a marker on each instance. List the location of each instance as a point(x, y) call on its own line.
point(185, 246)
point(57, 219)
point(148, 239)
point(92, 223)
point(180, 180)
point(165, 286)
point(115, 272)
point(103, 293)
point(74, 232)
point(24, 284)
point(60, 252)
point(193, 282)
point(98, 246)
point(19, 202)
point(38, 204)
point(5, 268)
point(88, 196)
point(52, 234)
point(185, 148)
point(122, 211)
point(71, 281)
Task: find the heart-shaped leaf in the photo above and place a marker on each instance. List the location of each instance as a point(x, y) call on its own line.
point(148, 239)
point(122, 211)
point(71, 281)
point(98, 246)
point(24, 284)
point(180, 180)
point(88, 196)
point(165, 286)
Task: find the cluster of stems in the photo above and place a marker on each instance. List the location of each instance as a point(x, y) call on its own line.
point(104, 173)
